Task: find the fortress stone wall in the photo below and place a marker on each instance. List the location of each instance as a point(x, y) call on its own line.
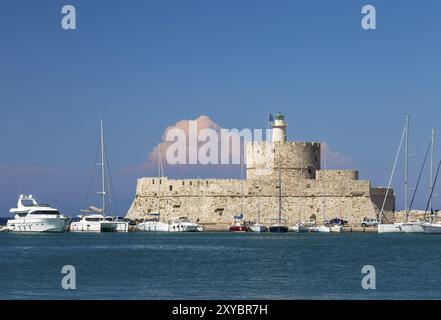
point(307, 191)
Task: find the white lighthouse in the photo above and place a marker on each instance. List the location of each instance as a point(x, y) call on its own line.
point(279, 128)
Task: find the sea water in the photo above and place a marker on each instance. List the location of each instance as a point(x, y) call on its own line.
point(220, 266)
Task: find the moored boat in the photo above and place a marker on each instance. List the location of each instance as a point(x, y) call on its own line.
point(389, 227)
point(238, 225)
point(153, 224)
point(92, 223)
point(182, 224)
point(278, 228)
point(432, 227)
point(412, 227)
point(299, 228)
point(323, 229)
point(32, 216)
point(257, 227)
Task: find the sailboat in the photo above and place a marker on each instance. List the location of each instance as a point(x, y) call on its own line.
point(324, 228)
point(94, 219)
point(396, 227)
point(299, 227)
point(238, 225)
point(417, 226)
point(279, 227)
point(153, 222)
point(432, 227)
point(258, 227)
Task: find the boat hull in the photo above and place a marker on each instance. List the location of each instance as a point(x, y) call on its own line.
point(322, 229)
point(389, 227)
point(412, 228)
point(258, 228)
point(153, 226)
point(183, 227)
point(278, 229)
point(336, 229)
point(299, 229)
point(432, 228)
point(37, 225)
point(236, 228)
point(93, 226)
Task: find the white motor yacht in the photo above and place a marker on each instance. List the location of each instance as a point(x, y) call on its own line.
point(153, 224)
point(93, 223)
point(182, 224)
point(31, 216)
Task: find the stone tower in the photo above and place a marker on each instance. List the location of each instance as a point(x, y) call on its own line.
point(295, 160)
point(279, 128)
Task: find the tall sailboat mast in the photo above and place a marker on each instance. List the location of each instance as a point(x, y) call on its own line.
point(103, 172)
point(431, 165)
point(159, 177)
point(406, 167)
point(241, 181)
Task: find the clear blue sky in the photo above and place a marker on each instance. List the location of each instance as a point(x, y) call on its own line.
point(144, 65)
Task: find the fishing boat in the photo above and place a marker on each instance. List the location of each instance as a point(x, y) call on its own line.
point(95, 219)
point(279, 227)
point(238, 225)
point(32, 216)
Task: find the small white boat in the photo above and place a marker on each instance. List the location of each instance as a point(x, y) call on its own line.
point(93, 223)
point(324, 229)
point(31, 216)
point(336, 229)
point(432, 227)
point(257, 227)
point(153, 224)
point(389, 227)
point(412, 227)
point(182, 224)
point(299, 228)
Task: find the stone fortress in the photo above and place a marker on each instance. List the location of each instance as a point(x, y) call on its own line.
point(307, 191)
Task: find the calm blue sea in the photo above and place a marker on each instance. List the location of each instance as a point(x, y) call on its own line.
point(220, 266)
